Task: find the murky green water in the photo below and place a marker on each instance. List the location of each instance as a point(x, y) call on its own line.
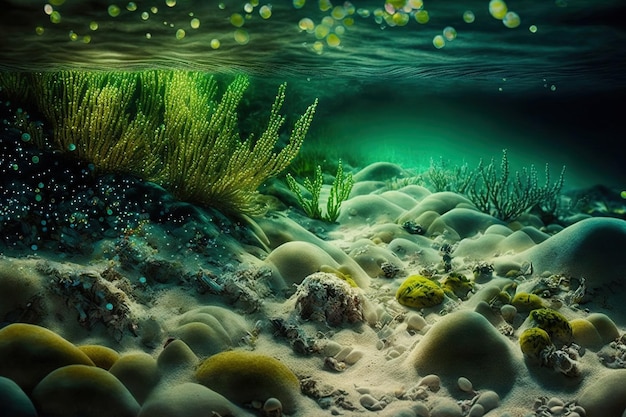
point(405, 81)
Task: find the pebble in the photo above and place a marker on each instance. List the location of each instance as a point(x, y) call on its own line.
point(353, 357)
point(477, 410)
point(508, 312)
point(432, 381)
point(370, 403)
point(554, 401)
point(489, 400)
point(464, 384)
point(343, 353)
point(331, 348)
point(415, 322)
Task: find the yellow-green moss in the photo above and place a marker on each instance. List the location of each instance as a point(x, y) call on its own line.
point(554, 323)
point(533, 341)
point(102, 356)
point(525, 302)
point(419, 292)
point(585, 333)
point(457, 285)
point(243, 377)
point(29, 352)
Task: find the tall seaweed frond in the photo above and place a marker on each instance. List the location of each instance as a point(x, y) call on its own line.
point(93, 119)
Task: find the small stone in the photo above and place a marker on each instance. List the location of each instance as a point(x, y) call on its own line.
point(272, 408)
point(415, 322)
point(489, 400)
point(477, 410)
point(508, 312)
point(554, 401)
point(331, 348)
point(370, 403)
point(353, 357)
point(464, 384)
point(432, 381)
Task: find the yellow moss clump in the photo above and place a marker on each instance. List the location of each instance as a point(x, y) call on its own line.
point(554, 323)
point(533, 341)
point(243, 377)
point(525, 302)
point(419, 292)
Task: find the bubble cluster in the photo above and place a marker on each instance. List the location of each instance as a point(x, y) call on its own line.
point(499, 10)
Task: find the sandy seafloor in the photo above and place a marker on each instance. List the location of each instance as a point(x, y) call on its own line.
point(164, 301)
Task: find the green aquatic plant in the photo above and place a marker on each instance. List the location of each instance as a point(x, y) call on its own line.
point(499, 192)
point(95, 118)
point(164, 126)
point(339, 192)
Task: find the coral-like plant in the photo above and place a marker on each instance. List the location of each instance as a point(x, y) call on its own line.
point(339, 192)
point(165, 126)
point(506, 195)
point(499, 192)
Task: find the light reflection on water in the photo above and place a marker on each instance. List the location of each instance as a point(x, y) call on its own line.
point(546, 76)
point(571, 43)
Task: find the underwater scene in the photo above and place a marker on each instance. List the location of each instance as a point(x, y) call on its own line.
point(398, 208)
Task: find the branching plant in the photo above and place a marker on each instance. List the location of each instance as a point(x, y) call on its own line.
point(339, 192)
point(499, 192)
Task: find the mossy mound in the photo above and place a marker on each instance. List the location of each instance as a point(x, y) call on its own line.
point(243, 377)
point(138, 372)
point(210, 329)
point(29, 352)
point(83, 391)
point(189, 400)
point(419, 292)
point(554, 323)
point(102, 356)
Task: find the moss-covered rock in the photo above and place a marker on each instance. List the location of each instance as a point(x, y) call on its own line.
point(102, 356)
point(554, 323)
point(29, 352)
point(533, 341)
point(419, 292)
point(243, 376)
point(83, 391)
point(138, 372)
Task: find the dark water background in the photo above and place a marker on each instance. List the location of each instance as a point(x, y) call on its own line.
point(386, 93)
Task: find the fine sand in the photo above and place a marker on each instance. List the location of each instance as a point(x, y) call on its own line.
point(302, 317)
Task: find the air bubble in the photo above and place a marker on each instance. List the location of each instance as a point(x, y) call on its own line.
point(265, 12)
point(236, 20)
point(241, 37)
point(114, 10)
point(439, 42)
point(449, 33)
